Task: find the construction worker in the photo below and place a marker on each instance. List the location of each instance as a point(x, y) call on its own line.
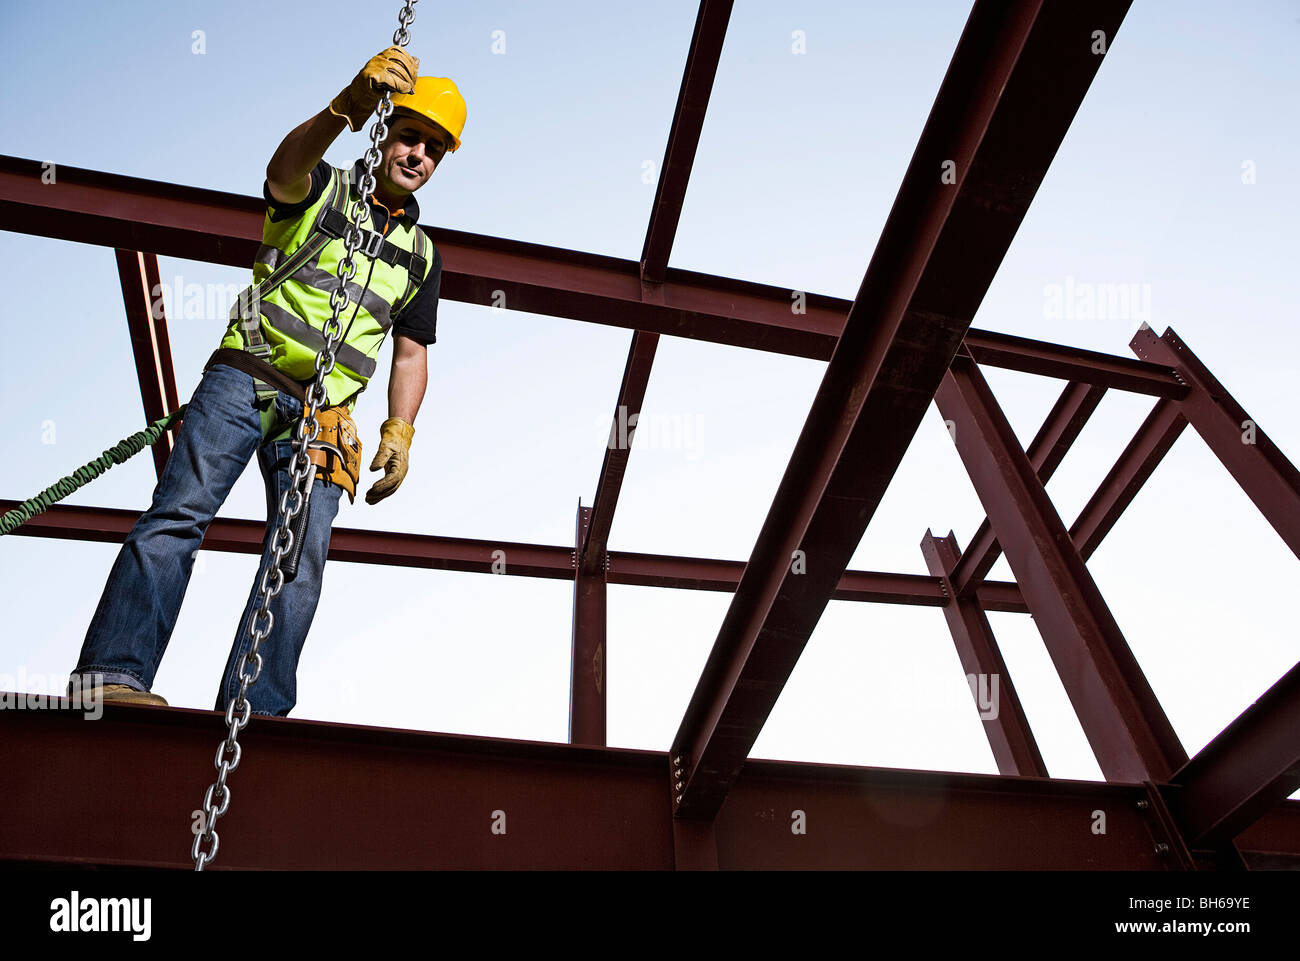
point(252, 390)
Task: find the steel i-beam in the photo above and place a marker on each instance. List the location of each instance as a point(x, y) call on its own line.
point(1016, 80)
point(150, 346)
point(1000, 710)
point(1121, 717)
point(1255, 462)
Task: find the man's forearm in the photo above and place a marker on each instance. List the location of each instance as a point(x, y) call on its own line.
point(303, 148)
point(409, 378)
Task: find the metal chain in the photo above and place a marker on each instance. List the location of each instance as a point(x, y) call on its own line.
point(303, 472)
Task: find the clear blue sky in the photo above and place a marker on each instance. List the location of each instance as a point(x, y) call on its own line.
point(799, 163)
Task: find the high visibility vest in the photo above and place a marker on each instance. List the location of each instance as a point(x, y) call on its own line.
point(280, 317)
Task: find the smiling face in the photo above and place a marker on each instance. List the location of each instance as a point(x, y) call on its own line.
point(408, 157)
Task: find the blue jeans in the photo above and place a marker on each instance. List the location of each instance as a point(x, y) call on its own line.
point(137, 612)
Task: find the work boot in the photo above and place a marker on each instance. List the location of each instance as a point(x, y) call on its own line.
point(124, 692)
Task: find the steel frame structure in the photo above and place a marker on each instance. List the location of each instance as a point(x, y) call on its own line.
point(1016, 80)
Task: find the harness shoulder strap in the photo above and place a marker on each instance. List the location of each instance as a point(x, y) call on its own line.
point(414, 273)
point(246, 308)
point(315, 242)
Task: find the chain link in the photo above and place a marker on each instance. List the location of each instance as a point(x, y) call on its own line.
point(302, 473)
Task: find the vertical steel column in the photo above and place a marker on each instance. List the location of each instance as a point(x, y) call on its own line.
point(1006, 727)
point(150, 346)
point(587, 670)
point(1254, 461)
point(1123, 721)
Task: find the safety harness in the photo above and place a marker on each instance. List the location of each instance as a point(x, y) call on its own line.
point(336, 452)
point(247, 306)
point(331, 224)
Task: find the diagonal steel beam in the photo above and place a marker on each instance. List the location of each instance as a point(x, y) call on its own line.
point(675, 173)
point(146, 321)
point(92, 207)
point(684, 136)
point(1060, 430)
point(1016, 80)
point(618, 450)
point(1140, 458)
point(1120, 715)
point(1248, 769)
point(1250, 456)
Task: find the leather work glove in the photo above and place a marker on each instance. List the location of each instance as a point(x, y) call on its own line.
point(393, 456)
point(394, 68)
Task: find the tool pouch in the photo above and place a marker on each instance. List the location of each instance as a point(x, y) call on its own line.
point(336, 451)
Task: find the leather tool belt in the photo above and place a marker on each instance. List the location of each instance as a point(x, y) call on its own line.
point(336, 451)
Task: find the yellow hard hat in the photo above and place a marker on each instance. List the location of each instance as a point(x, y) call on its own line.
point(437, 99)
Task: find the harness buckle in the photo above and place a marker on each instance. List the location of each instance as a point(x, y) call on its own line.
point(373, 243)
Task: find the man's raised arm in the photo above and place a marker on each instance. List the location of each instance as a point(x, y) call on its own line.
point(288, 175)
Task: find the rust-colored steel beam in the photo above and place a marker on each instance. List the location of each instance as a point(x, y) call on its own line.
point(675, 174)
point(1222, 857)
point(618, 449)
point(684, 136)
point(146, 321)
point(587, 664)
point(1249, 768)
point(999, 707)
point(206, 225)
point(1085, 366)
point(701, 574)
point(1062, 427)
point(318, 796)
point(1267, 844)
point(695, 845)
point(1121, 717)
point(1140, 458)
point(1016, 80)
point(111, 525)
point(130, 213)
point(1254, 461)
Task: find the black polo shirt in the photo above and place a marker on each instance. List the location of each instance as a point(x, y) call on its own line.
point(419, 320)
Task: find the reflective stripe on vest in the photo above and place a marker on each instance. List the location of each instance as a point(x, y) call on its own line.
point(297, 328)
